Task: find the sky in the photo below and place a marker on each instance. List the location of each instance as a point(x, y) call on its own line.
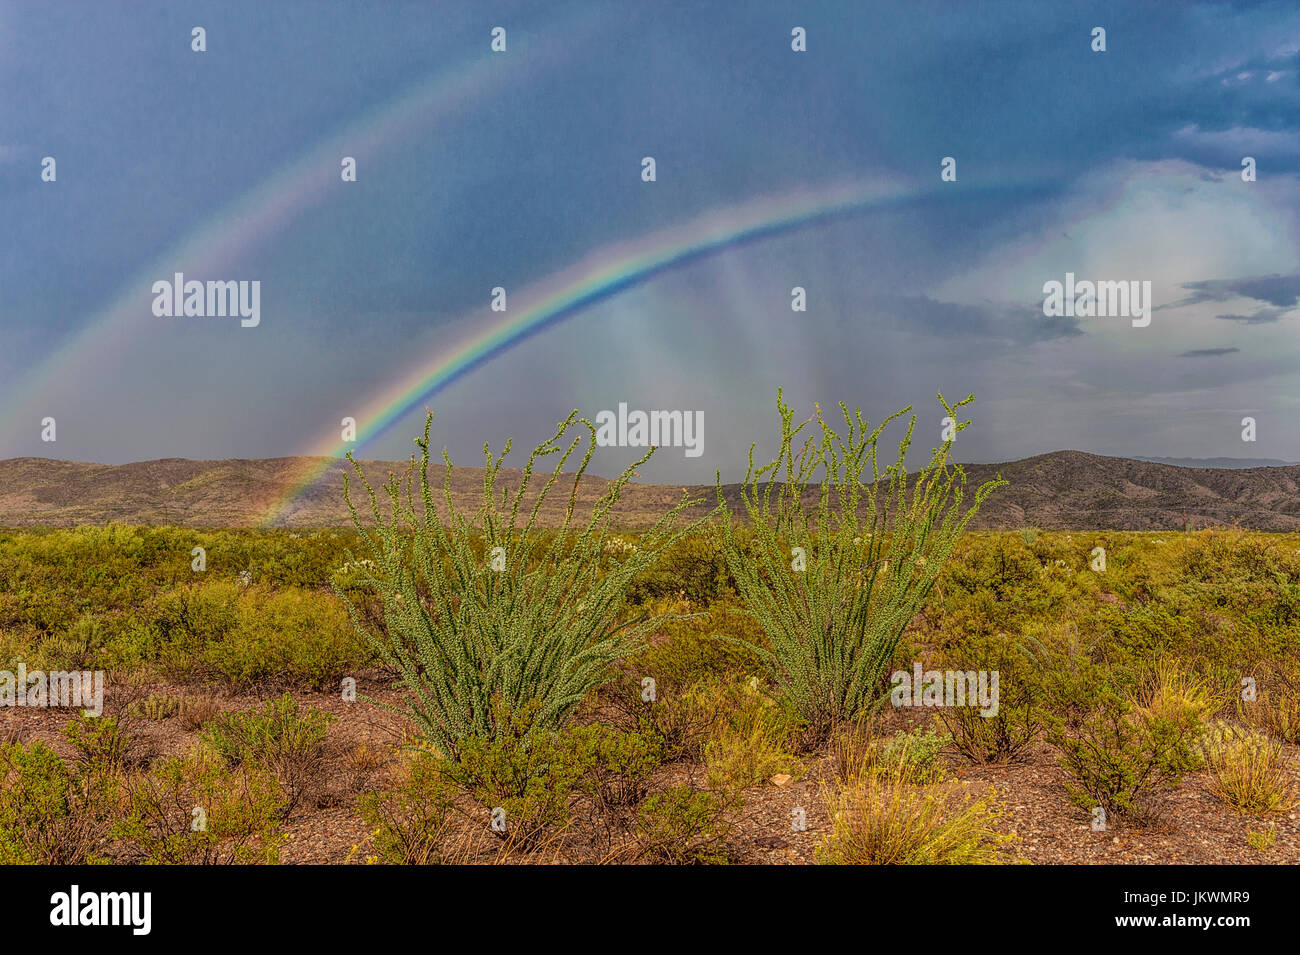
point(522, 169)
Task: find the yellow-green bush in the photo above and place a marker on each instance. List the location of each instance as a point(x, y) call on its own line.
point(886, 820)
point(682, 826)
point(751, 739)
point(1247, 770)
point(53, 813)
point(411, 823)
point(194, 809)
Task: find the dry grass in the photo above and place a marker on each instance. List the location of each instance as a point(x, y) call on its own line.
point(886, 820)
point(1247, 770)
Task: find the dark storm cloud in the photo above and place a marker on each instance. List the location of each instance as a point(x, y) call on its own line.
point(1282, 291)
point(1208, 352)
point(524, 180)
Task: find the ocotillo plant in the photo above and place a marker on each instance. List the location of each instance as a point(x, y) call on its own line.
point(834, 582)
point(485, 614)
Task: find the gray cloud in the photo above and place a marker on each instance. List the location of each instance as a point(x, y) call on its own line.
point(1264, 316)
point(1282, 291)
point(1207, 352)
point(1022, 325)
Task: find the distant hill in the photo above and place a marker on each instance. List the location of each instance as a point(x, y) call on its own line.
point(1060, 490)
point(1234, 463)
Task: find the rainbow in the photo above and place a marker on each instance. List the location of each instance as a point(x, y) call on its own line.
point(595, 278)
point(228, 236)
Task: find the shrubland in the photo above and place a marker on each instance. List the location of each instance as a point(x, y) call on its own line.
point(633, 692)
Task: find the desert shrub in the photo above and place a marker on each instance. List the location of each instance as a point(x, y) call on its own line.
point(911, 755)
point(528, 618)
point(76, 647)
point(620, 764)
point(195, 711)
point(1129, 748)
point(1170, 692)
point(712, 645)
point(296, 636)
point(751, 739)
point(52, 813)
point(1276, 709)
point(869, 553)
point(886, 820)
point(524, 778)
point(156, 706)
point(1247, 770)
point(1004, 734)
point(997, 564)
point(99, 742)
point(176, 628)
point(681, 716)
point(1000, 737)
point(853, 748)
point(244, 636)
point(195, 809)
point(1132, 638)
point(681, 826)
point(281, 738)
point(411, 824)
point(699, 655)
point(619, 770)
point(1262, 841)
point(692, 568)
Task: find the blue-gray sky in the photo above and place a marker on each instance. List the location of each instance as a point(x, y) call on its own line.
point(479, 169)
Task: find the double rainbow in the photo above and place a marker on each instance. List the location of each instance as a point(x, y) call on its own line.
point(598, 277)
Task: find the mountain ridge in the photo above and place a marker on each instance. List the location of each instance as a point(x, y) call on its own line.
point(1056, 490)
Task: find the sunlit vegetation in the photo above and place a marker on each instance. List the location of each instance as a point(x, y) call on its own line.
point(1177, 665)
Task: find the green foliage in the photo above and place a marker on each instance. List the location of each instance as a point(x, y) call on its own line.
point(195, 810)
point(126, 597)
point(99, 743)
point(246, 636)
point(1005, 734)
point(296, 635)
point(717, 644)
point(1247, 770)
point(693, 568)
point(692, 660)
point(545, 627)
point(1262, 841)
point(871, 551)
point(619, 765)
point(682, 718)
point(1127, 747)
point(909, 756)
point(529, 773)
point(280, 730)
point(52, 813)
point(912, 755)
point(681, 826)
point(410, 824)
point(283, 739)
